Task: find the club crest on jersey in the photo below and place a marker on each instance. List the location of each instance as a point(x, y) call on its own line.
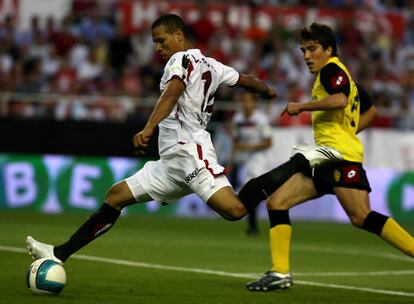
point(187, 65)
point(185, 61)
point(337, 175)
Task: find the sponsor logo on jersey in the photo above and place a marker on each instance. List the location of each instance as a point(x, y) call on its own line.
point(339, 80)
point(351, 174)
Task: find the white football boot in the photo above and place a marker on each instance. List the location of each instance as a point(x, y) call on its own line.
point(317, 155)
point(39, 250)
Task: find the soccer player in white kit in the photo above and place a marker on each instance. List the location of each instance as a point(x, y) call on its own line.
point(188, 162)
point(252, 139)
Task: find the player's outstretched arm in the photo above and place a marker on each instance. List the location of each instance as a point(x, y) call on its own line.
point(253, 84)
point(331, 102)
point(164, 106)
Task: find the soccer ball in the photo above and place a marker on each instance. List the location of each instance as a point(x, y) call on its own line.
point(46, 276)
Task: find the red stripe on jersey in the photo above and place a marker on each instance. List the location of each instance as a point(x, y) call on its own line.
point(189, 70)
point(200, 152)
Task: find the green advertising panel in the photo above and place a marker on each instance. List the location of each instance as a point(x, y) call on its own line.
point(399, 197)
point(56, 183)
point(51, 183)
point(24, 181)
point(83, 182)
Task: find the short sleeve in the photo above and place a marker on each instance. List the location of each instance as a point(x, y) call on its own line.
point(229, 76)
point(364, 100)
point(334, 79)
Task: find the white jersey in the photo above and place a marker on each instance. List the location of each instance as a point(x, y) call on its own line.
point(252, 131)
point(202, 76)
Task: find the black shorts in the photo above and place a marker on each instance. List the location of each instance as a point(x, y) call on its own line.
point(340, 174)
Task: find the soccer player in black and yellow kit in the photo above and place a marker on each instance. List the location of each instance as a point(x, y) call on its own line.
point(339, 111)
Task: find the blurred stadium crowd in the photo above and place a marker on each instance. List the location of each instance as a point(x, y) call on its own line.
point(87, 67)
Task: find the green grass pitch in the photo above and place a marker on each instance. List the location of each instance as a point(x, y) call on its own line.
point(154, 260)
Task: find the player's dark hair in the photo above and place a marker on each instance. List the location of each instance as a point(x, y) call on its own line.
point(171, 22)
point(320, 33)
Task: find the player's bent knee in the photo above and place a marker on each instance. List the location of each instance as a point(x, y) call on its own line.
point(236, 213)
point(277, 204)
point(358, 217)
point(239, 212)
point(112, 198)
point(119, 196)
point(357, 220)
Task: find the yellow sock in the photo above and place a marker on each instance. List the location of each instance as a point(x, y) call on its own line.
point(280, 247)
point(394, 234)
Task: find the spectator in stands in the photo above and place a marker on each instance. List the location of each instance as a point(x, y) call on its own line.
point(92, 21)
point(130, 82)
point(65, 79)
point(120, 48)
point(95, 25)
point(202, 28)
point(63, 38)
point(31, 77)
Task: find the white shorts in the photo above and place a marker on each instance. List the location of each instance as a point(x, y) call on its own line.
point(183, 169)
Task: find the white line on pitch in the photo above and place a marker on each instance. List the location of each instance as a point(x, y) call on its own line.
point(356, 273)
point(214, 272)
point(351, 273)
point(346, 251)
